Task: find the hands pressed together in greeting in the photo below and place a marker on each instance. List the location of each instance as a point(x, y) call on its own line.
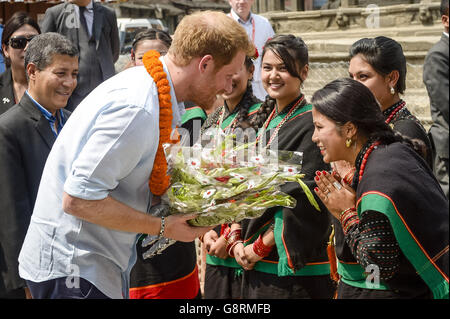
point(230, 245)
point(335, 191)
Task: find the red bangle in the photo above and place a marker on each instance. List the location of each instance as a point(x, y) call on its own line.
point(346, 213)
point(233, 238)
point(348, 179)
point(347, 217)
point(348, 225)
point(224, 231)
point(224, 228)
point(260, 249)
point(349, 222)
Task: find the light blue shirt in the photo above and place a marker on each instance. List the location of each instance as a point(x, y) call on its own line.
point(88, 15)
point(107, 147)
point(263, 31)
point(49, 116)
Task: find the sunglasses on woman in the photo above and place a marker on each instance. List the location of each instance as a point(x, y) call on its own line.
point(20, 42)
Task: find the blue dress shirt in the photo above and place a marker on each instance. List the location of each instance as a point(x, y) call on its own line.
point(49, 116)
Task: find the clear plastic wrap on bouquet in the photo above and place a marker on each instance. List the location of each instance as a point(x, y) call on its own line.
point(227, 181)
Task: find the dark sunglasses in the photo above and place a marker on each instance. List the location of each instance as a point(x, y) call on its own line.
point(20, 42)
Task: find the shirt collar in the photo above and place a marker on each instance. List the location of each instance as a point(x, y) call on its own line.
point(178, 108)
point(90, 6)
point(445, 33)
point(49, 116)
point(43, 110)
point(238, 18)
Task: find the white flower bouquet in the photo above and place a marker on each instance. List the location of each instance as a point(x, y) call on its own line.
point(230, 181)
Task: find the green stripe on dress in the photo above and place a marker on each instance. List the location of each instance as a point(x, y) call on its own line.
point(410, 247)
point(277, 119)
point(226, 122)
point(192, 113)
point(279, 268)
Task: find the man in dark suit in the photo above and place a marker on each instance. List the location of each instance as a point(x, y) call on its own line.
point(436, 77)
point(27, 133)
point(93, 29)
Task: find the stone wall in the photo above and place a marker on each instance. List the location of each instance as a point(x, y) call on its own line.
point(330, 33)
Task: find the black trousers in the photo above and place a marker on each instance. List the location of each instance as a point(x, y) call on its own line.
point(65, 288)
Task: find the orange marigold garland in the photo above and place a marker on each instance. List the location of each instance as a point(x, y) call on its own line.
point(159, 180)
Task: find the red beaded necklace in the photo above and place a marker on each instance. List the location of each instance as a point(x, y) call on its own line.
point(366, 156)
point(394, 112)
point(277, 128)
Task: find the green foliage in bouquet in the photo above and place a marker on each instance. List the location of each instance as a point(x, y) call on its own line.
point(230, 182)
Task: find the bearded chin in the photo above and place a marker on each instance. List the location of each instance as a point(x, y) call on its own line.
point(201, 99)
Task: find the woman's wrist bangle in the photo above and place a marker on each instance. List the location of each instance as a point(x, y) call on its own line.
point(231, 246)
point(225, 232)
point(348, 218)
point(349, 177)
point(346, 212)
point(163, 226)
point(260, 249)
point(346, 227)
point(232, 236)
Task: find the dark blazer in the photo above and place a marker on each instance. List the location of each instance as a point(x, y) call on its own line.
point(7, 99)
point(435, 77)
point(26, 139)
point(63, 19)
point(59, 19)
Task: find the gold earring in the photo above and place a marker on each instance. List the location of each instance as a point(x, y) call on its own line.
point(348, 142)
point(392, 90)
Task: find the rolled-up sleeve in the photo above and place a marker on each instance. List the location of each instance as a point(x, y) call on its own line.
point(114, 146)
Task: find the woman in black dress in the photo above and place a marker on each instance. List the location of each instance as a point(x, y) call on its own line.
point(379, 64)
point(393, 218)
point(283, 252)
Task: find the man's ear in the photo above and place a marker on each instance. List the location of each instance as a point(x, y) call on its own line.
point(32, 70)
point(445, 22)
point(206, 63)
